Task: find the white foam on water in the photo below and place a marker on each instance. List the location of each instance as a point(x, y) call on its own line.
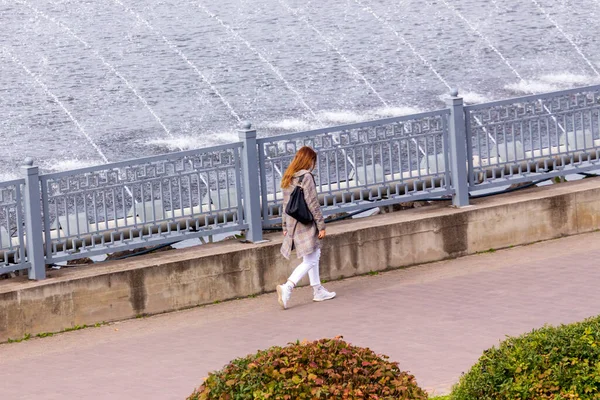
point(568, 79)
point(191, 142)
point(8, 176)
point(529, 87)
point(291, 124)
point(178, 143)
point(395, 111)
point(69, 164)
point(474, 98)
point(223, 137)
point(342, 117)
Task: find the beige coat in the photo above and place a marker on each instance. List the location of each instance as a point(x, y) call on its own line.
point(302, 237)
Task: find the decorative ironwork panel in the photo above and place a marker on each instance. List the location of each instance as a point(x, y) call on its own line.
point(142, 202)
point(522, 139)
point(12, 229)
point(385, 161)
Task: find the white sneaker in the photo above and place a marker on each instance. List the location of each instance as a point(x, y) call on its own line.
point(283, 293)
point(322, 294)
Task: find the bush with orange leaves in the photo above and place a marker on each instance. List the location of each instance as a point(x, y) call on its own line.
point(324, 369)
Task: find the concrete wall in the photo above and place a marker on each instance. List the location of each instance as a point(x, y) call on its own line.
point(185, 278)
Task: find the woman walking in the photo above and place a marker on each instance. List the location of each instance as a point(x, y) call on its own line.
point(304, 238)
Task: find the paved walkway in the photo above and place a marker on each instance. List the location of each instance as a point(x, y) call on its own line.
point(435, 320)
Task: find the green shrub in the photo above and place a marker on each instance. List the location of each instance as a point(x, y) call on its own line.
point(549, 363)
point(325, 369)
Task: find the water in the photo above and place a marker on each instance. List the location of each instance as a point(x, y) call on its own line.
point(560, 29)
point(234, 34)
point(180, 53)
point(332, 47)
point(181, 79)
point(483, 37)
point(104, 62)
point(17, 62)
point(404, 41)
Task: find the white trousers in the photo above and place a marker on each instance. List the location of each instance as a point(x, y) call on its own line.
point(310, 265)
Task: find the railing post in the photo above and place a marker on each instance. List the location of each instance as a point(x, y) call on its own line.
point(250, 170)
point(33, 221)
point(458, 150)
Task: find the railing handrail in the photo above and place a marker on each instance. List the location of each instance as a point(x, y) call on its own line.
point(143, 160)
point(12, 182)
point(358, 125)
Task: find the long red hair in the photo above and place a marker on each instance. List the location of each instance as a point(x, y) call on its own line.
point(305, 158)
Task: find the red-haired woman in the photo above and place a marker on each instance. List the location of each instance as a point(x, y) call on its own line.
point(304, 238)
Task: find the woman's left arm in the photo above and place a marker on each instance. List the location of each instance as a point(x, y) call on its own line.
point(312, 200)
point(284, 216)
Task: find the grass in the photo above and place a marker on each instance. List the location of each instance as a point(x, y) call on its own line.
point(28, 336)
point(487, 251)
point(25, 337)
point(440, 398)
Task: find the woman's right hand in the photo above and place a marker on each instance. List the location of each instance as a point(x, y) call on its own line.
point(284, 233)
point(322, 234)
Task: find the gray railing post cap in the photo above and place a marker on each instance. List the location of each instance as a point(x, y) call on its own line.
point(246, 125)
point(454, 92)
point(28, 161)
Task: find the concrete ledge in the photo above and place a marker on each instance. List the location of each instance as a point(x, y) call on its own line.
point(180, 279)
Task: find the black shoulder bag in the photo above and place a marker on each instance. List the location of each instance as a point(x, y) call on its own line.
point(297, 207)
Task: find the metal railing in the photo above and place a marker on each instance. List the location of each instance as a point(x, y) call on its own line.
point(45, 219)
point(12, 233)
point(533, 137)
point(380, 161)
point(141, 202)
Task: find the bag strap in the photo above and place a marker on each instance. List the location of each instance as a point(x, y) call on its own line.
point(300, 178)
